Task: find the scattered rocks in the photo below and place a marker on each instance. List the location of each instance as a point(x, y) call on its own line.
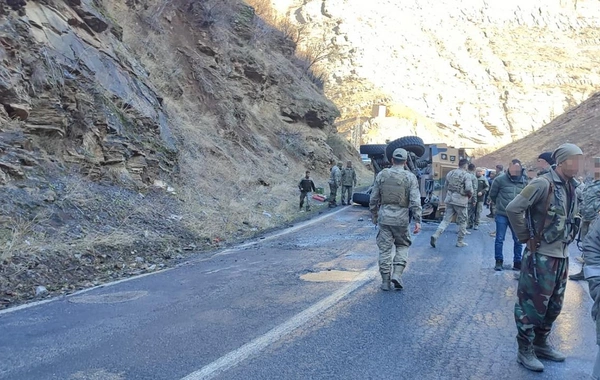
point(40, 291)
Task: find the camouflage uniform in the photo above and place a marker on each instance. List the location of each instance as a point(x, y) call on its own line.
point(543, 277)
point(591, 249)
point(335, 180)
point(459, 186)
point(395, 191)
point(482, 187)
point(348, 181)
point(472, 208)
point(590, 206)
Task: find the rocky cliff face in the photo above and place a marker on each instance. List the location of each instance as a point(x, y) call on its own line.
point(472, 72)
point(134, 132)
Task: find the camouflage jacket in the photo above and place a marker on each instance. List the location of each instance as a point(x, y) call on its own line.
point(474, 180)
point(348, 177)
point(336, 176)
point(395, 191)
point(590, 206)
point(557, 219)
point(591, 269)
point(460, 187)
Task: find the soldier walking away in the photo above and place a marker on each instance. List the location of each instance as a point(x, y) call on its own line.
point(505, 188)
point(348, 181)
point(544, 163)
point(459, 188)
point(545, 215)
point(306, 185)
point(590, 207)
point(591, 249)
point(395, 194)
point(480, 192)
point(473, 200)
point(335, 181)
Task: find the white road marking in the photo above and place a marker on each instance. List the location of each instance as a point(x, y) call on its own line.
point(187, 262)
point(235, 357)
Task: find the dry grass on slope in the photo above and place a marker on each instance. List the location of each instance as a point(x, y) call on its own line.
point(239, 163)
point(580, 125)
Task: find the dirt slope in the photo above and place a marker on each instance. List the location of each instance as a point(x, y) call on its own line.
point(134, 133)
point(580, 125)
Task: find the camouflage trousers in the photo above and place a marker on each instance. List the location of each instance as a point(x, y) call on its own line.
point(346, 194)
point(332, 193)
point(596, 372)
point(461, 220)
point(475, 210)
point(539, 301)
point(389, 237)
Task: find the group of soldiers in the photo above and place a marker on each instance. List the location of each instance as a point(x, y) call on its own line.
point(340, 178)
point(546, 214)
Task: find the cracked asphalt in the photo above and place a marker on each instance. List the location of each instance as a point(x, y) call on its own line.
point(454, 320)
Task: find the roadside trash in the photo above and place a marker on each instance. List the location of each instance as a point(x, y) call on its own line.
point(318, 197)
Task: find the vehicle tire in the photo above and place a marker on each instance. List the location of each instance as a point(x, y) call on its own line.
point(422, 164)
point(412, 144)
point(373, 149)
point(361, 198)
point(381, 160)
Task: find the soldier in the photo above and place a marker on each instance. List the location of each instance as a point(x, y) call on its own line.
point(348, 181)
point(395, 191)
point(473, 200)
point(499, 170)
point(544, 215)
point(459, 188)
point(591, 249)
point(544, 163)
point(481, 190)
point(306, 185)
point(505, 188)
point(590, 207)
point(335, 180)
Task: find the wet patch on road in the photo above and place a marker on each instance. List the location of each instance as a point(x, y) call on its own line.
point(109, 298)
point(96, 375)
point(330, 276)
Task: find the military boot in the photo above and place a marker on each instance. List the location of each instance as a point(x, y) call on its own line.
point(397, 277)
point(543, 350)
point(434, 238)
point(385, 282)
point(499, 264)
point(461, 243)
point(526, 357)
point(577, 276)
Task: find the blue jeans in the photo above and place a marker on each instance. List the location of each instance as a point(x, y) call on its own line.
point(501, 225)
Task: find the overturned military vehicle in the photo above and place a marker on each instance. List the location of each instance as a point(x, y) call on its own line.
point(429, 162)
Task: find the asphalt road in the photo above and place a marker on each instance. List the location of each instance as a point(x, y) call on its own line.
point(300, 304)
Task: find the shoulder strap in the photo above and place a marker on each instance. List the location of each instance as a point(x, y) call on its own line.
point(550, 191)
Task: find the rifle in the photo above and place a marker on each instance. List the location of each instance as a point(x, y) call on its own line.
point(533, 243)
point(534, 239)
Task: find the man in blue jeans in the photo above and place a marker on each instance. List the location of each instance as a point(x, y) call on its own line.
point(505, 188)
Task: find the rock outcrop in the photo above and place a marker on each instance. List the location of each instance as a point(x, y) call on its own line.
point(148, 128)
point(471, 72)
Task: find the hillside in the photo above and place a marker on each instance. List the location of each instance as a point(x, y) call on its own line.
point(580, 126)
point(473, 73)
point(135, 133)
